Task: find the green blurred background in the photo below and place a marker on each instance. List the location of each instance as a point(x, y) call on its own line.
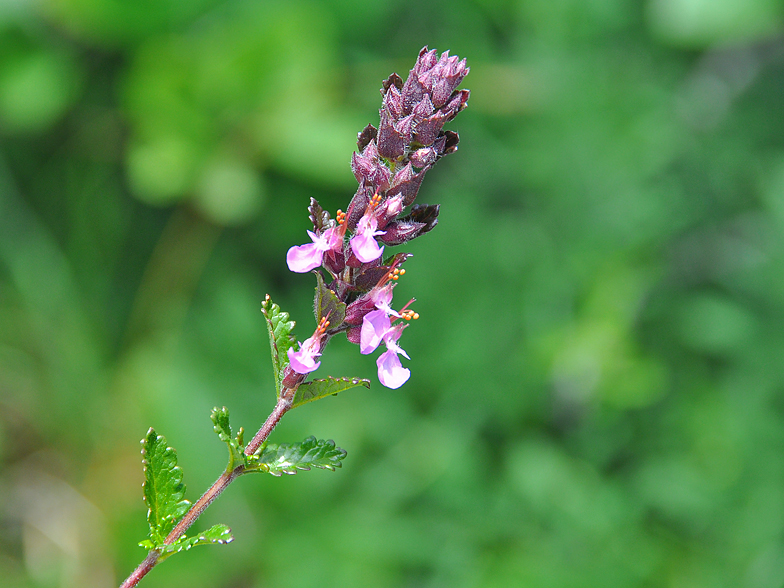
point(597, 389)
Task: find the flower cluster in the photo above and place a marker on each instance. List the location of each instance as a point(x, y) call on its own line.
point(390, 165)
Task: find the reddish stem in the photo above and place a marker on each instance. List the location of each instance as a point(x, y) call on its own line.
point(226, 478)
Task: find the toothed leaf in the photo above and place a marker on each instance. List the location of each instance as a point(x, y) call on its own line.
point(311, 453)
point(163, 488)
point(310, 391)
point(281, 337)
point(215, 535)
point(220, 420)
point(327, 305)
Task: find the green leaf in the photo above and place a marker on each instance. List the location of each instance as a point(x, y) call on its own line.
point(327, 305)
point(163, 487)
point(289, 458)
point(310, 391)
point(281, 338)
point(215, 535)
point(220, 420)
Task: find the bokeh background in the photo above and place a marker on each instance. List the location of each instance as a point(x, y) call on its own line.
point(597, 389)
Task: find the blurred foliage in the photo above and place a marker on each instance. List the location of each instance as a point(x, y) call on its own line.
point(597, 389)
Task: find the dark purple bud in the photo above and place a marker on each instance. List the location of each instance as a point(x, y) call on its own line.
point(423, 157)
point(421, 220)
point(444, 77)
point(391, 142)
point(372, 275)
point(369, 169)
point(446, 143)
point(389, 210)
point(428, 129)
point(393, 101)
point(423, 109)
point(354, 334)
point(334, 261)
point(457, 102)
point(358, 206)
point(406, 183)
point(392, 80)
point(357, 310)
point(399, 231)
point(366, 136)
point(413, 90)
point(426, 60)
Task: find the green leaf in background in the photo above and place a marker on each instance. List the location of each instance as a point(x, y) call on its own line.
point(327, 305)
point(311, 453)
point(163, 488)
point(310, 391)
point(281, 338)
point(220, 419)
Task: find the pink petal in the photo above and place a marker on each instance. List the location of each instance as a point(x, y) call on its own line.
point(365, 247)
point(302, 361)
point(303, 258)
point(374, 325)
point(391, 372)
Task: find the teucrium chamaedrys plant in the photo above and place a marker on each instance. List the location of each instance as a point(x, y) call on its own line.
point(354, 290)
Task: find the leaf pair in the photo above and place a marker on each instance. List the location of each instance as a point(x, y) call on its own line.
point(164, 494)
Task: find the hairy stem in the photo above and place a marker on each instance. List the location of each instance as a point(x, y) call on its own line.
point(226, 478)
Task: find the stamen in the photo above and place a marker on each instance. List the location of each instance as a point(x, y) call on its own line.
point(375, 200)
point(322, 326)
point(404, 311)
point(341, 217)
point(409, 315)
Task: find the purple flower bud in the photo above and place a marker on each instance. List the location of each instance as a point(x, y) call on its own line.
point(391, 140)
point(406, 183)
point(365, 136)
point(421, 220)
point(424, 157)
point(369, 169)
point(393, 102)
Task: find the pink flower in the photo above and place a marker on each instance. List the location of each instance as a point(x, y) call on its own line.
point(376, 327)
point(303, 258)
point(363, 243)
point(391, 372)
point(382, 297)
point(304, 360)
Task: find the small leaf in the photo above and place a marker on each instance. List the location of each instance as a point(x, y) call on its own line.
point(220, 419)
point(281, 338)
point(215, 535)
point(327, 305)
point(311, 453)
point(163, 487)
point(318, 216)
point(310, 391)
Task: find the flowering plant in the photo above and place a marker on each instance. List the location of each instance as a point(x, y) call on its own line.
point(355, 298)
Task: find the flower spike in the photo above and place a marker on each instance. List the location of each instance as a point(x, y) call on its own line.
point(390, 164)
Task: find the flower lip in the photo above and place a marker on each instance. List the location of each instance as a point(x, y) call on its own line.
point(303, 258)
point(304, 360)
